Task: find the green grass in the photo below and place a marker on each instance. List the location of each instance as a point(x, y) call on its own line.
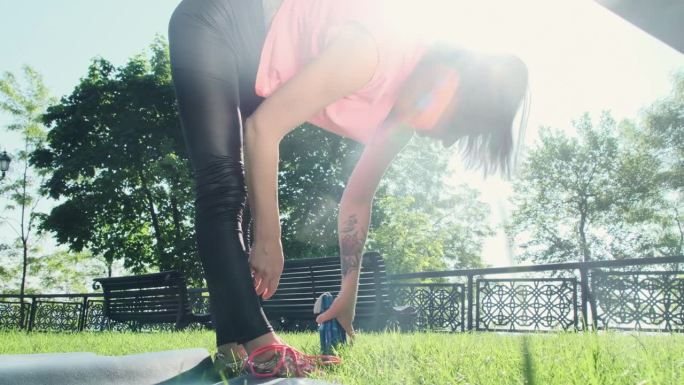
point(430, 358)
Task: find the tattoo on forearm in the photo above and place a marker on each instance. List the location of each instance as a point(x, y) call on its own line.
point(350, 224)
point(351, 245)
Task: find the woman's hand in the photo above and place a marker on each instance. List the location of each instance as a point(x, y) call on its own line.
point(343, 307)
point(266, 261)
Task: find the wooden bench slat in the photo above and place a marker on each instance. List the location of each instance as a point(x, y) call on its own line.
point(310, 301)
point(327, 282)
point(321, 276)
point(326, 270)
point(301, 293)
point(134, 292)
point(141, 305)
point(159, 318)
point(143, 299)
point(319, 289)
point(298, 313)
point(144, 279)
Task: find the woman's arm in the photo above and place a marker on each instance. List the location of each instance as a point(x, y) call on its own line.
point(343, 67)
point(355, 206)
point(354, 217)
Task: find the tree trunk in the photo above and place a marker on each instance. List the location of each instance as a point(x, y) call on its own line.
point(176, 219)
point(24, 241)
point(23, 285)
point(180, 254)
point(586, 257)
point(164, 263)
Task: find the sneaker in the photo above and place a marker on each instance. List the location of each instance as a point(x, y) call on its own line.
point(286, 362)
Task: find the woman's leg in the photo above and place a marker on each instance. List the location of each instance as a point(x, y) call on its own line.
point(206, 77)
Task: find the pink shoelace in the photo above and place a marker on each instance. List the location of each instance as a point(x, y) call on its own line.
point(287, 362)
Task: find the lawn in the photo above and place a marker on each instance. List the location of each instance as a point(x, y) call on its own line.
point(431, 358)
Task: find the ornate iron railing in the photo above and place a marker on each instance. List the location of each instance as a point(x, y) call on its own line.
point(439, 306)
point(642, 294)
point(526, 304)
point(77, 312)
point(629, 294)
point(640, 300)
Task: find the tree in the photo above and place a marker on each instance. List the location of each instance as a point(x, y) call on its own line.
point(313, 170)
point(421, 222)
point(120, 168)
point(123, 177)
point(662, 132)
point(25, 105)
point(584, 197)
point(10, 267)
point(67, 272)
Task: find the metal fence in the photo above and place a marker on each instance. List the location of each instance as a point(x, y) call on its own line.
point(77, 312)
point(636, 294)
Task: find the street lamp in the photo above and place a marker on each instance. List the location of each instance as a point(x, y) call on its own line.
point(4, 163)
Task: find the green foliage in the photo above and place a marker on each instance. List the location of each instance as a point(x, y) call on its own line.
point(407, 239)
point(420, 222)
point(10, 268)
point(594, 196)
point(662, 133)
point(67, 272)
point(313, 170)
point(12, 262)
point(120, 171)
point(119, 167)
point(417, 222)
point(25, 105)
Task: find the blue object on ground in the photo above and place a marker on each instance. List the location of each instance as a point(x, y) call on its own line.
point(331, 332)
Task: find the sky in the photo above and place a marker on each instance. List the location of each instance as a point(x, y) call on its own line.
point(581, 58)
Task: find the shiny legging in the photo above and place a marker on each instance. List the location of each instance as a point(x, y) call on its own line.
point(215, 47)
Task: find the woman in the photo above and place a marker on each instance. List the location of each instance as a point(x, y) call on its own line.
point(257, 70)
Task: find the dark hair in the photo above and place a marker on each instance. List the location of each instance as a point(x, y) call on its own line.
point(491, 89)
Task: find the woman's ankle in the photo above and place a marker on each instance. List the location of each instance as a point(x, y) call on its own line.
point(263, 340)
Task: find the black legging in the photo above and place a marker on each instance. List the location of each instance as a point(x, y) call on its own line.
point(215, 47)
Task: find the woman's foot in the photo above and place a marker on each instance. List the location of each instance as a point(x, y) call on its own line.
point(266, 339)
point(285, 362)
point(269, 356)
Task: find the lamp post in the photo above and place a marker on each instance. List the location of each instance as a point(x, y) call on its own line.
point(4, 163)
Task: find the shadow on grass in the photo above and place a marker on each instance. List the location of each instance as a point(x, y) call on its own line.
point(528, 368)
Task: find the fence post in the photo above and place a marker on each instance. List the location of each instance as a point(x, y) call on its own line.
point(585, 295)
point(592, 303)
point(22, 318)
point(84, 311)
point(32, 314)
point(470, 302)
point(380, 323)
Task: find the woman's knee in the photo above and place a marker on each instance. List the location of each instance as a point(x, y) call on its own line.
point(220, 187)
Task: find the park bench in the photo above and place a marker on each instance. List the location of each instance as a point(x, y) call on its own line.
point(303, 280)
point(162, 297)
point(149, 298)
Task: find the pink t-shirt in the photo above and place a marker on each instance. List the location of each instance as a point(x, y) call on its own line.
point(301, 30)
